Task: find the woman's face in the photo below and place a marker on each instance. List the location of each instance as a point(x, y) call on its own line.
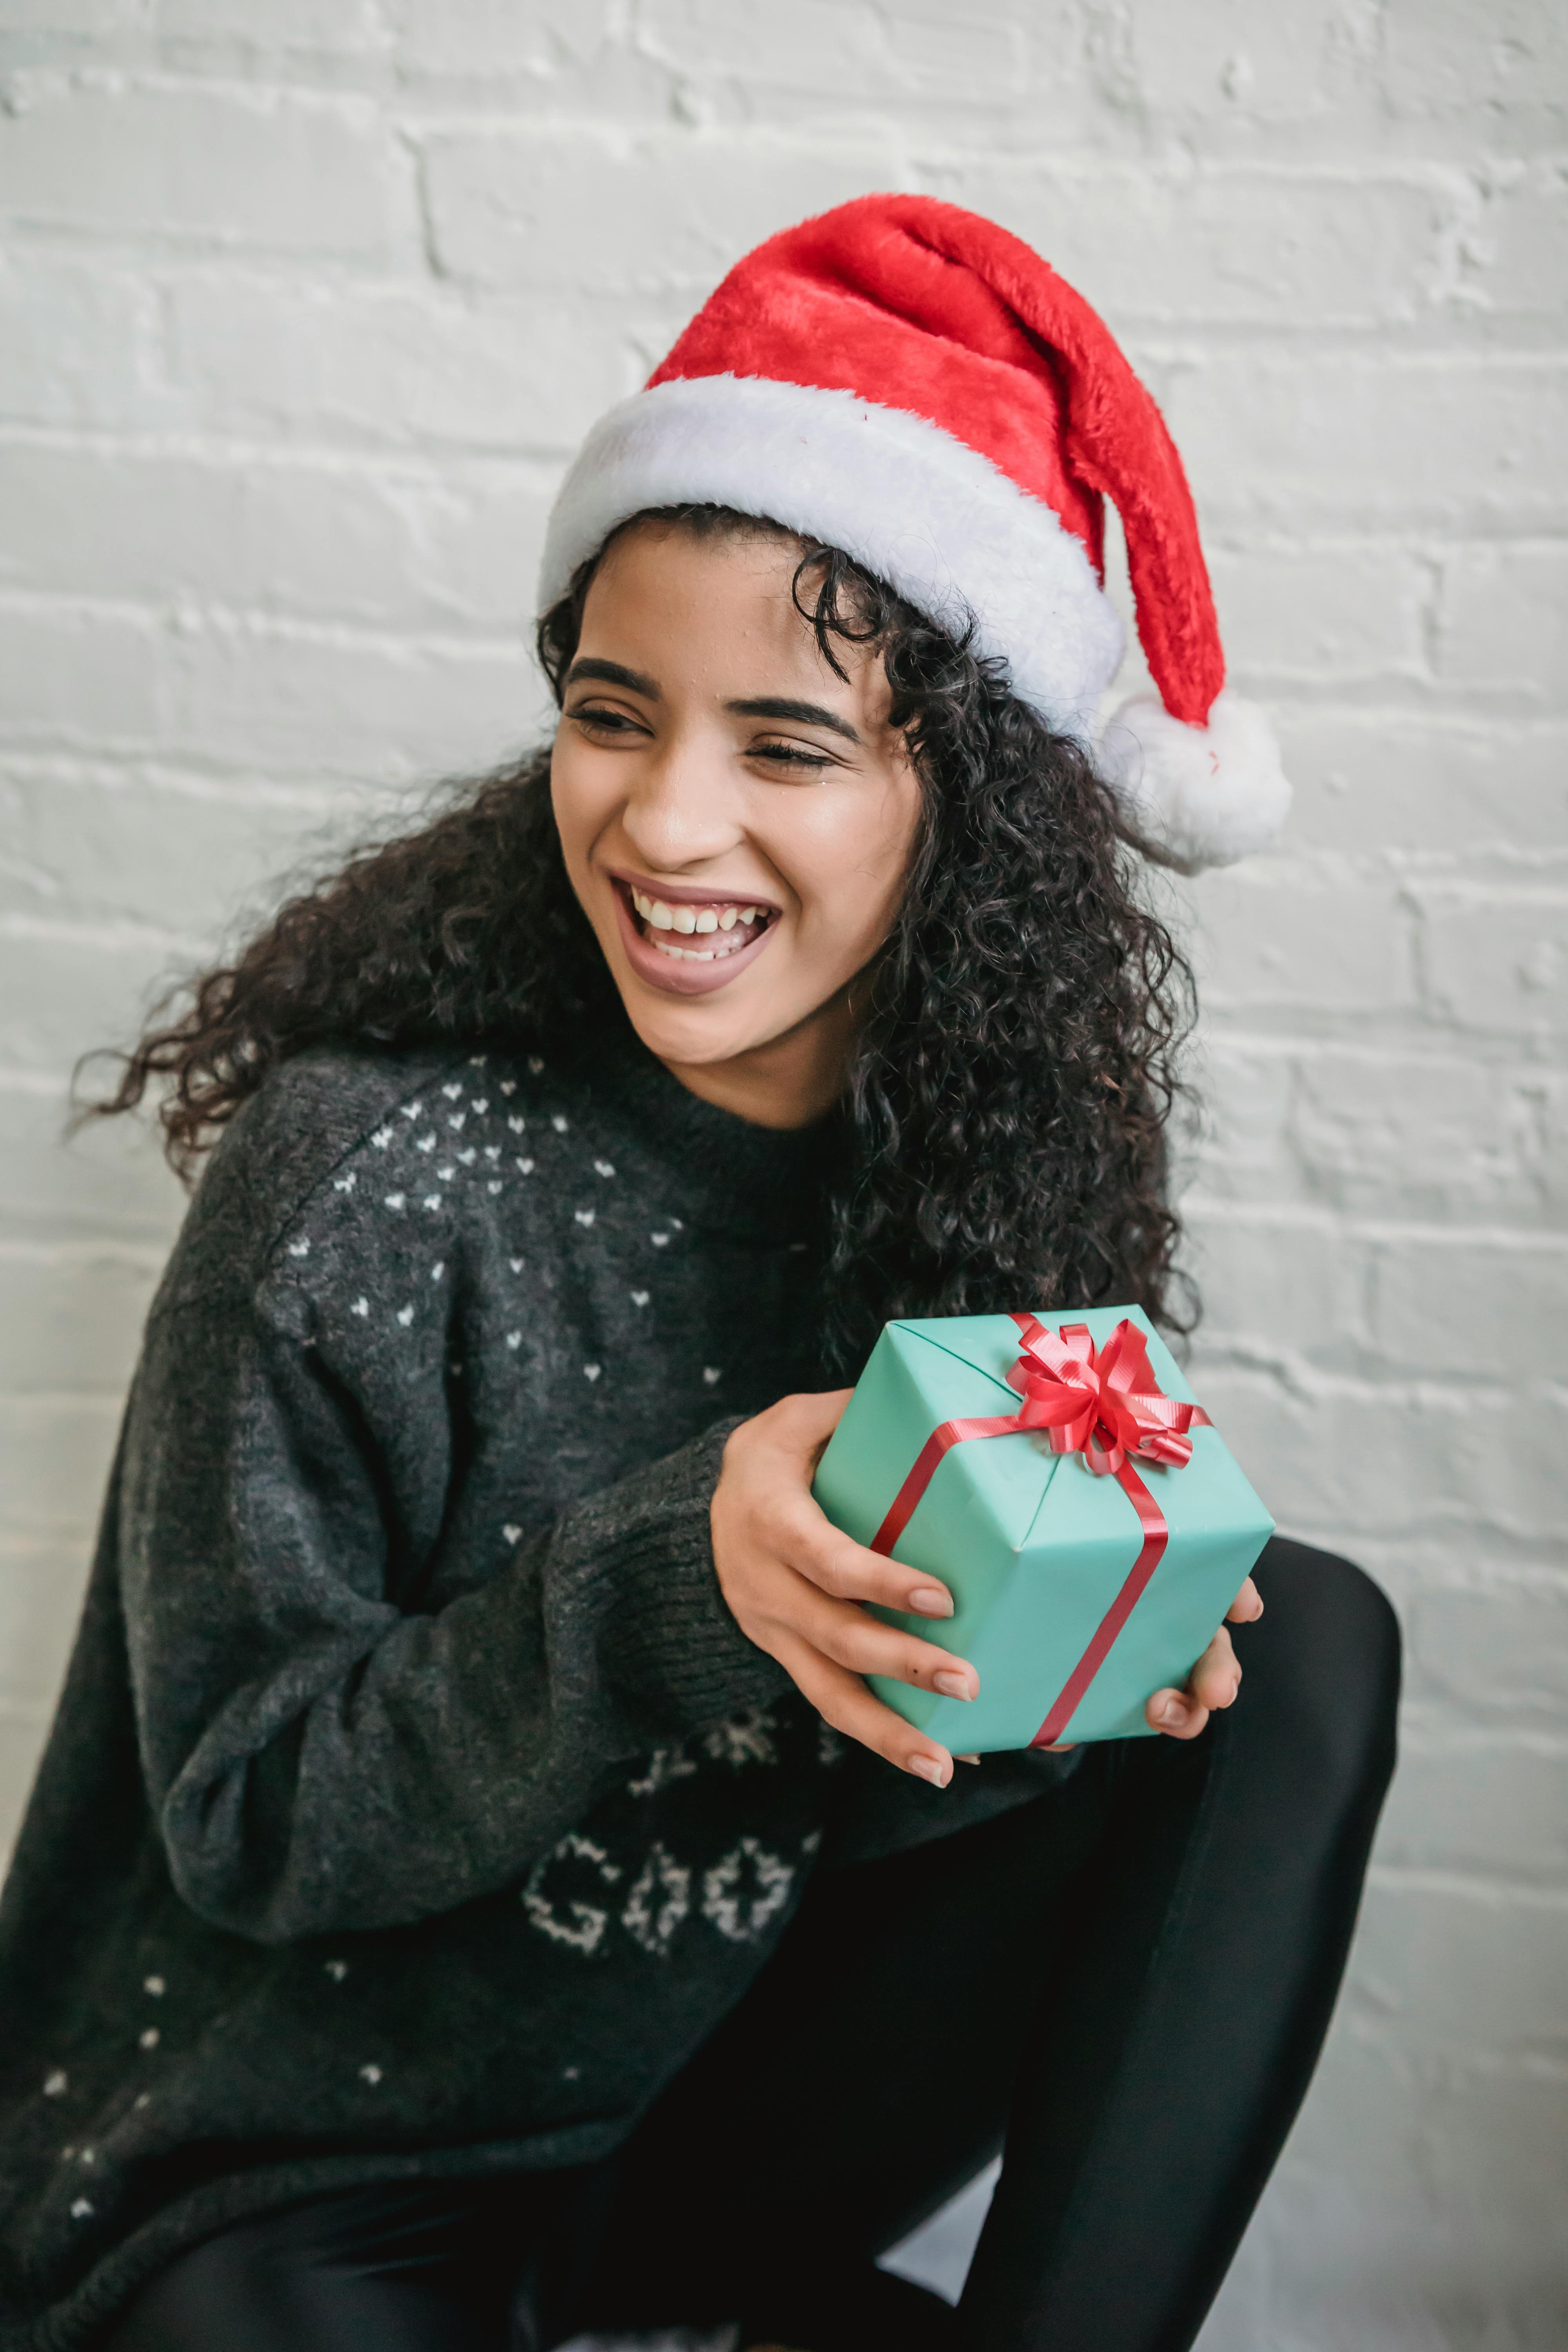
point(737, 821)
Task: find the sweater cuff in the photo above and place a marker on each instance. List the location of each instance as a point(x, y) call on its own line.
point(670, 1646)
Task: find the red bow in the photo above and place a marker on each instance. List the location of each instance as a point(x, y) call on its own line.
point(1104, 1403)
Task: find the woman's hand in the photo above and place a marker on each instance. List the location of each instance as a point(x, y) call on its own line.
point(794, 1585)
point(1214, 1681)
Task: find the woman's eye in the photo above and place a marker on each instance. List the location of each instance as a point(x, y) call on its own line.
point(603, 722)
point(790, 755)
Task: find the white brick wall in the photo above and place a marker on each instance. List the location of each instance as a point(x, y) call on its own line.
point(302, 303)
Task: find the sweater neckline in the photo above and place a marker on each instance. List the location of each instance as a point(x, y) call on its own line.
point(734, 1176)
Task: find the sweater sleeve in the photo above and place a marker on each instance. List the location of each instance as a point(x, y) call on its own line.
point(323, 1759)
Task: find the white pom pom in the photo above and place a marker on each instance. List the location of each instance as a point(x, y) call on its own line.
point(1200, 795)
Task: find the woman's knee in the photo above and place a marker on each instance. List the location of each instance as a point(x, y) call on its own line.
point(1327, 1653)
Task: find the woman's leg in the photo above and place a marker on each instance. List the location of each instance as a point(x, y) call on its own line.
point(1130, 1979)
point(397, 2269)
point(1182, 2029)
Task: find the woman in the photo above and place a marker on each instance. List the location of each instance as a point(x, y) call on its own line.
point(471, 1894)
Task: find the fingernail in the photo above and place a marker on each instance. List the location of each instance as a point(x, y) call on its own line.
point(966, 1759)
point(932, 1601)
point(1173, 1712)
point(951, 1685)
point(931, 1768)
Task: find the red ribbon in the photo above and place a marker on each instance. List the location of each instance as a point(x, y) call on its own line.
point(1104, 1403)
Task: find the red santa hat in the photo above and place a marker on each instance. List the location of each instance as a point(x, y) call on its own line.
point(907, 382)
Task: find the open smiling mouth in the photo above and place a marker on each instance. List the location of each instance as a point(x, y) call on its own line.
point(709, 932)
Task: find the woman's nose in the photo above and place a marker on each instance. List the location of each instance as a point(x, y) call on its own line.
point(681, 810)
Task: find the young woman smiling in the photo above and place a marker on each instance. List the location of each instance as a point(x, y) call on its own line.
point(471, 1894)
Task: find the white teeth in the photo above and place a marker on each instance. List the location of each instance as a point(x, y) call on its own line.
point(660, 917)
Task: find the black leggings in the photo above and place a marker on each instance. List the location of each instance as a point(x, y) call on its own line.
point(1123, 1985)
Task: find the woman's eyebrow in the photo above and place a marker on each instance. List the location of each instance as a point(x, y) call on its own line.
point(810, 714)
point(609, 673)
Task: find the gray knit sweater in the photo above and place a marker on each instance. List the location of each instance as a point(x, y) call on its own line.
point(414, 1806)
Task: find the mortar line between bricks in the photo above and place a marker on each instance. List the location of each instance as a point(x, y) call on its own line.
point(200, 788)
point(220, 451)
point(251, 621)
point(114, 932)
point(1355, 1226)
point(146, 1257)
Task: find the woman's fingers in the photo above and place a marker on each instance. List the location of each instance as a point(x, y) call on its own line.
point(802, 1425)
point(1247, 1604)
point(841, 1631)
point(1213, 1683)
point(1175, 1713)
point(847, 1570)
point(842, 1699)
point(1215, 1679)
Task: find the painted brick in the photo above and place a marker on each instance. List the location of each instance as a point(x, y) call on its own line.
point(83, 16)
point(1262, 940)
point(55, 1454)
point(1518, 249)
point(107, 1180)
point(1281, 1284)
point(63, 991)
point(90, 842)
point(1340, 613)
point(1459, 442)
point(347, 27)
point(1505, 61)
point(384, 709)
point(1486, 785)
point(1166, 247)
point(1497, 961)
point(1497, 1806)
point(1456, 2249)
point(846, 51)
point(77, 1314)
point(390, 364)
point(196, 165)
point(246, 694)
point(394, 547)
point(488, 38)
point(1452, 1981)
point(567, 207)
point(1466, 1304)
point(1503, 622)
point(1418, 1135)
point(1231, 59)
point(1363, 1455)
point(1246, 1096)
point(78, 343)
point(1500, 1645)
point(81, 676)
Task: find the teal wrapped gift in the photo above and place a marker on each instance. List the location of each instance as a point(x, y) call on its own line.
point(1061, 1478)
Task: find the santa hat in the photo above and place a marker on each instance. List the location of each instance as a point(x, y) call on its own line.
point(907, 382)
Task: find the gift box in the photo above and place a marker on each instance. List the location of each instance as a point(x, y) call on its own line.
point(1061, 1478)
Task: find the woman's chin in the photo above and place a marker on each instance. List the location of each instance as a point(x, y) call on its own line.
point(692, 1032)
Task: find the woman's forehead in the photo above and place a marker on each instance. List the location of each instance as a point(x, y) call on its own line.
point(715, 615)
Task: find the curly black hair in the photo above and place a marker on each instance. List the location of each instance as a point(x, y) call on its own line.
point(1015, 1067)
